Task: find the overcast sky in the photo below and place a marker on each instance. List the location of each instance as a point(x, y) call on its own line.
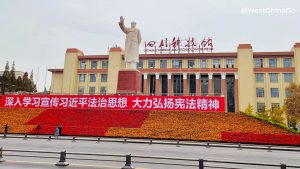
point(36, 33)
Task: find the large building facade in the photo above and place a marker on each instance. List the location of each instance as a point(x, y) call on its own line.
point(242, 77)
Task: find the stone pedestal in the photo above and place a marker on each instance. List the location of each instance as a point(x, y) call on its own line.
point(129, 82)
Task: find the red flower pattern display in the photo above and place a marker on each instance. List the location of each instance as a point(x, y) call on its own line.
point(282, 139)
point(89, 122)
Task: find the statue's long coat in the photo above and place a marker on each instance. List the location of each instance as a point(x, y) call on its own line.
point(133, 40)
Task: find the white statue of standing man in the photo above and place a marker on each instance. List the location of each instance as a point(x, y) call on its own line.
point(132, 43)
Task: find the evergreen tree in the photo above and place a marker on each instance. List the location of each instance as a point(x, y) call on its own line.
point(1, 82)
point(26, 83)
point(45, 90)
point(13, 80)
point(6, 79)
point(19, 84)
point(31, 75)
point(32, 85)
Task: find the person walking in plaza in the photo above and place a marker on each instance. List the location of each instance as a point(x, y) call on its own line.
point(38, 129)
point(5, 129)
point(56, 133)
point(60, 130)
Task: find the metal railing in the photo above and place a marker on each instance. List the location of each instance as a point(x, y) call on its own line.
point(137, 159)
point(177, 143)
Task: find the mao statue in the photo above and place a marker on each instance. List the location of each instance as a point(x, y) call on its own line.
point(132, 43)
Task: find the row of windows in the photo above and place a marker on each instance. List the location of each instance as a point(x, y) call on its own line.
point(92, 77)
point(259, 63)
point(261, 106)
point(260, 92)
point(92, 90)
point(273, 62)
point(177, 63)
point(94, 64)
point(288, 77)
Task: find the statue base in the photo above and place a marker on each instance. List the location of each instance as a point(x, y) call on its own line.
point(129, 82)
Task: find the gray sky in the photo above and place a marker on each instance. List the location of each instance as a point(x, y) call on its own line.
point(36, 33)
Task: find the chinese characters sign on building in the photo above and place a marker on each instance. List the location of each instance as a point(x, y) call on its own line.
point(178, 45)
point(206, 104)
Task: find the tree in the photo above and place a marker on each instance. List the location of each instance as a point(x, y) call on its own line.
point(26, 83)
point(276, 114)
point(31, 75)
point(32, 85)
point(9, 83)
point(6, 79)
point(1, 82)
point(13, 80)
point(249, 109)
point(264, 113)
point(293, 104)
point(19, 84)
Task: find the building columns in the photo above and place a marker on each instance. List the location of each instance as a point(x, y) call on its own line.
point(197, 75)
point(210, 84)
point(170, 85)
point(236, 95)
point(157, 84)
point(185, 85)
point(223, 88)
point(145, 83)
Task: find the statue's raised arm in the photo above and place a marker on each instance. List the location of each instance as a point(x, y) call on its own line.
point(122, 26)
point(132, 43)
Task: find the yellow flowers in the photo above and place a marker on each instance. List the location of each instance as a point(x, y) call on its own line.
point(16, 119)
point(185, 125)
point(194, 126)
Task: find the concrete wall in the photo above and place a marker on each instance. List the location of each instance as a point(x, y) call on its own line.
point(246, 76)
point(114, 65)
point(56, 82)
point(70, 82)
point(296, 50)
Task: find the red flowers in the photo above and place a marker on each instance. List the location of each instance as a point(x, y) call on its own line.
point(16, 119)
point(194, 126)
point(91, 122)
point(190, 125)
point(284, 139)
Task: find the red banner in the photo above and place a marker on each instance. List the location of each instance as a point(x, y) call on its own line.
point(205, 104)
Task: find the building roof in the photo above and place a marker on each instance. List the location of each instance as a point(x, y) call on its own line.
point(297, 45)
point(90, 57)
point(244, 46)
point(193, 55)
point(74, 50)
point(188, 55)
point(56, 70)
point(273, 54)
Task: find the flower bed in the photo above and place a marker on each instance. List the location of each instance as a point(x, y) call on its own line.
point(283, 139)
point(87, 122)
point(16, 119)
point(71, 130)
point(188, 125)
point(194, 126)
